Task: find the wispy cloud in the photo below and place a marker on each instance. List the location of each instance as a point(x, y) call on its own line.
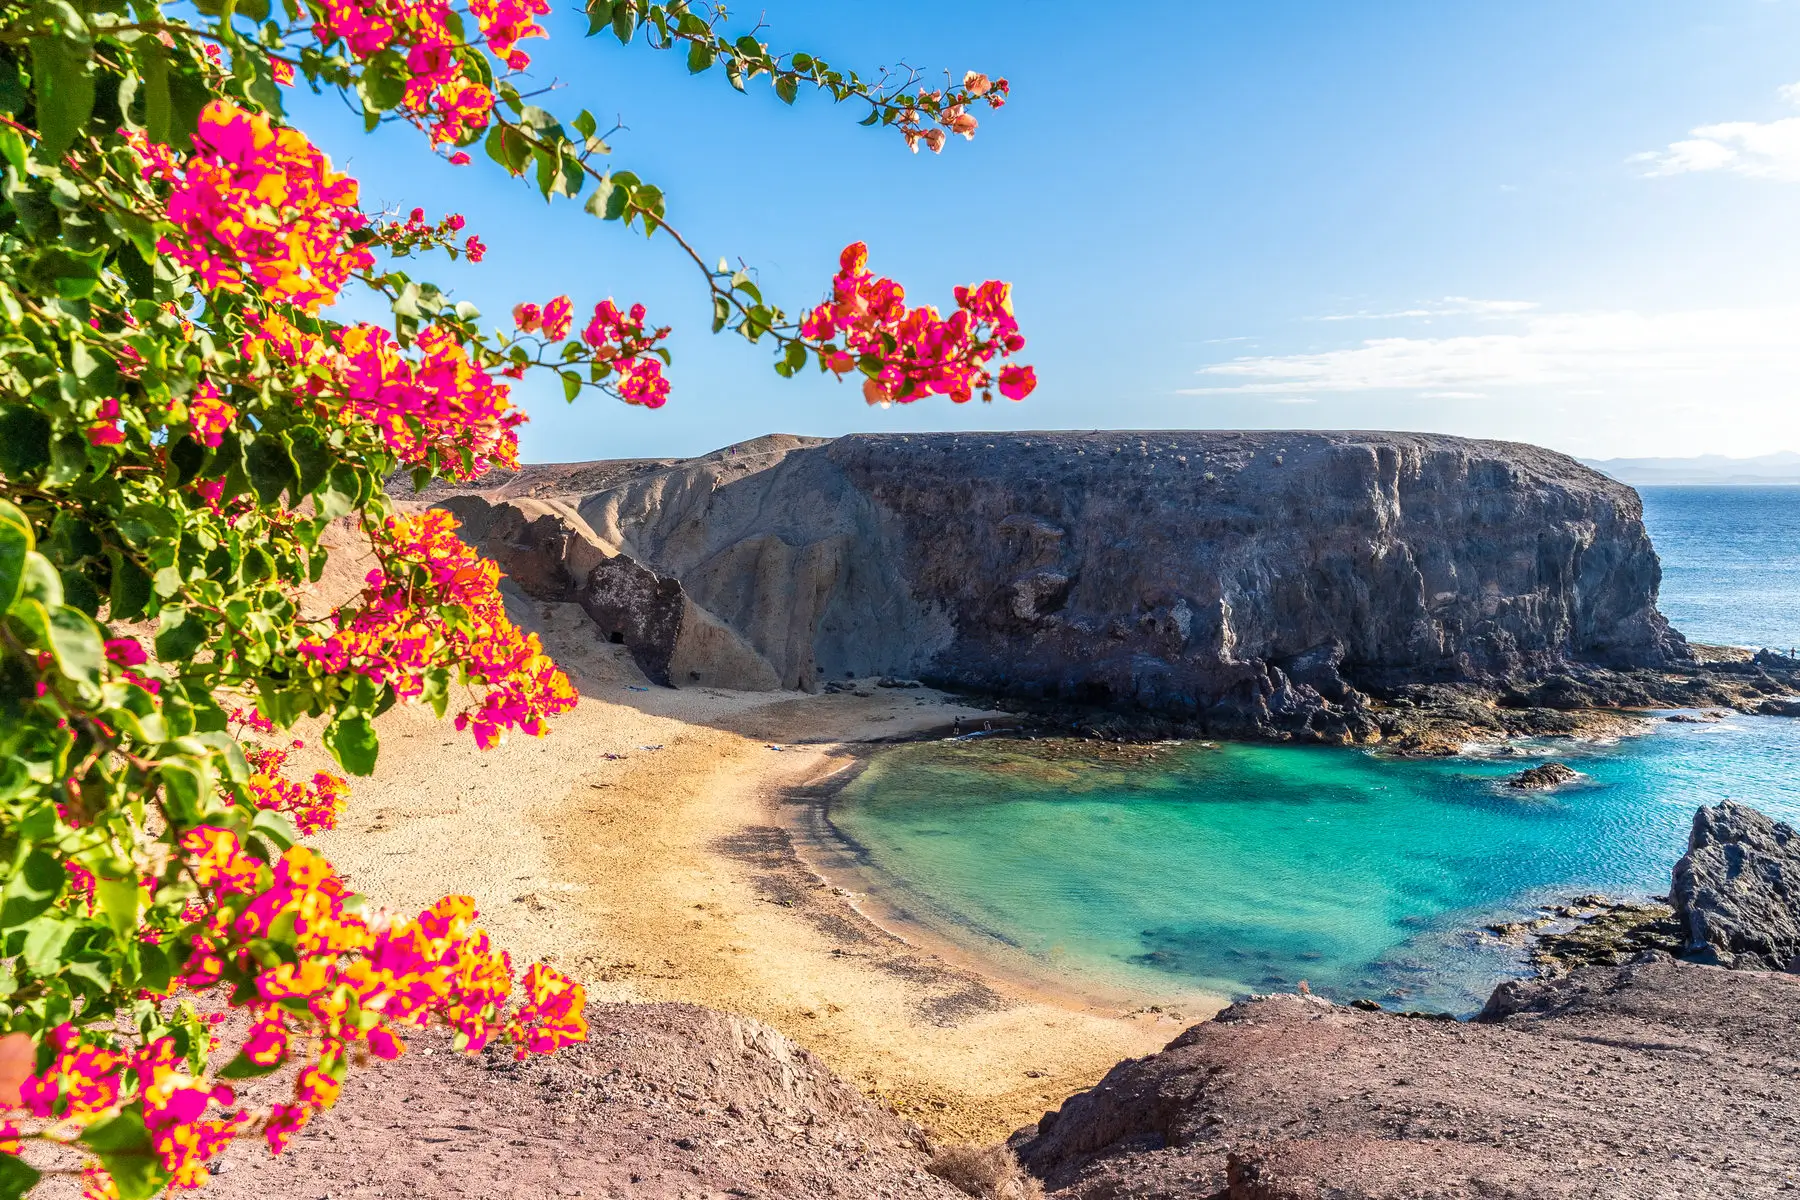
point(1449, 306)
point(1759, 149)
point(1615, 351)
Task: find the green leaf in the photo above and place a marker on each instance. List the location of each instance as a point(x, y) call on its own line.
point(312, 456)
point(174, 94)
point(786, 88)
point(16, 542)
point(237, 767)
point(71, 275)
point(585, 124)
point(600, 15)
point(243, 1067)
point(340, 496)
point(16, 1177)
point(130, 587)
point(24, 441)
point(119, 901)
point(144, 525)
point(33, 888)
point(618, 202)
point(41, 582)
point(123, 1147)
point(571, 385)
point(597, 204)
point(278, 829)
point(271, 467)
point(701, 56)
point(187, 457)
point(384, 81)
point(353, 743)
point(12, 145)
point(178, 634)
point(154, 968)
point(76, 642)
point(185, 791)
point(45, 940)
point(624, 21)
point(509, 148)
point(65, 92)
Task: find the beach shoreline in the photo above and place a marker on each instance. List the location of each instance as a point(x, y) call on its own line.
point(641, 847)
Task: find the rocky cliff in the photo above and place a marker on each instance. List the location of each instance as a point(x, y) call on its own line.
point(1221, 577)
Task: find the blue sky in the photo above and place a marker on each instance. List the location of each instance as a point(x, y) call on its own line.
point(1572, 224)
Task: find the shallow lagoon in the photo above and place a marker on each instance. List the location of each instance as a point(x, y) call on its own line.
point(1235, 868)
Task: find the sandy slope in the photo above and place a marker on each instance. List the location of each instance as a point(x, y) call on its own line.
point(662, 874)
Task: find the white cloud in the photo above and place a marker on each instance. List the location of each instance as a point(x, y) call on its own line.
point(1717, 351)
point(1449, 306)
point(1759, 149)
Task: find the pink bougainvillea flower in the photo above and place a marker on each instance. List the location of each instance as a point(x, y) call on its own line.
point(918, 352)
point(257, 204)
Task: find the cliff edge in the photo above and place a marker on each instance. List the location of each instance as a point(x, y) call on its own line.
point(1229, 579)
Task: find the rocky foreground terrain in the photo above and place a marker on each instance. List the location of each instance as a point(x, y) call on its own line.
point(1411, 589)
point(1658, 1078)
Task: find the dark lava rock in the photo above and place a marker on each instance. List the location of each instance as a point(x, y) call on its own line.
point(1618, 932)
point(1255, 582)
point(1657, 1079)
point(1542, 779)
point(1737, 890)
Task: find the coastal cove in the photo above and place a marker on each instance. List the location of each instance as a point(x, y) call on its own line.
point(1227, 869)
point(1236, 868)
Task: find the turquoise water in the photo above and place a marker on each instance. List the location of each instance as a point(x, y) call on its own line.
point(1731, 562)
point(1238, 868)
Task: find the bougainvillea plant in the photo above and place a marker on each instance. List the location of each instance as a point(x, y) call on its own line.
point(186, 428)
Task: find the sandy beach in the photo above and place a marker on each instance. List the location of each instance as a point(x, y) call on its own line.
point(640, 847)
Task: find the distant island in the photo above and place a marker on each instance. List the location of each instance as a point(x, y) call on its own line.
point(1782, 468)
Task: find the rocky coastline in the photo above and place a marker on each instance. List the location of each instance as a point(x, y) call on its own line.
point(1662, 1076)
point(1407, 591)
point(1635, 1065)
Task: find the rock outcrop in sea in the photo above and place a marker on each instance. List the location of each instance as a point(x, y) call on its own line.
point(1543, 778)
point(1737, 890)
point(1252, 582)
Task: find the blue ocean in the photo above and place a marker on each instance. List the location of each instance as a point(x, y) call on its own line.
point(1236, 868)
point(1731, 562)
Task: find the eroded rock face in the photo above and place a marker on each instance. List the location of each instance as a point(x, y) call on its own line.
point(548, 551)
point(1236, 579)
point(1737, 890)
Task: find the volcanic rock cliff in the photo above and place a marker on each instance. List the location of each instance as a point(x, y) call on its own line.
point(1221, 577)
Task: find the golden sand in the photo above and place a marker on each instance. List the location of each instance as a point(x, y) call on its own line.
point(640, 848)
